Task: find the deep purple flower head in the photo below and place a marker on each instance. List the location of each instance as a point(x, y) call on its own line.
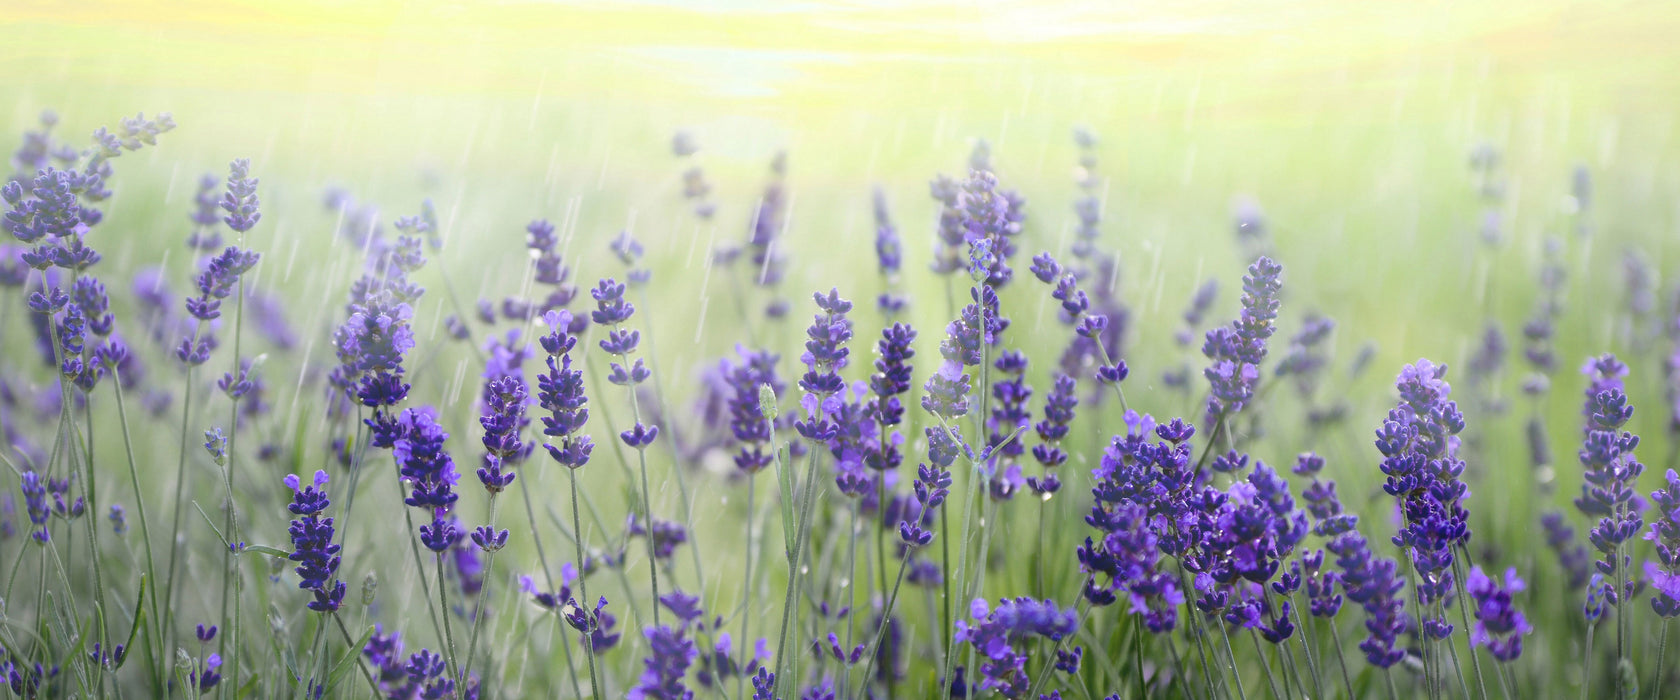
point(611, 308)
point(1236, 351)
point(991, 219)
point(1611, 470)
point(825, 355)
point(1419, 443)
point(35, 502)
point(670, 654)
point(1374, 584)
point(312, 544)
point(1664, 574)
point(1001, 637)
point(1499, 625)
point(429, 471)
point(560, 392)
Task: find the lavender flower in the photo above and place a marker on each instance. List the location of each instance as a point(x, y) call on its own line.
point(35, 502)
point(430, 473)
point(671, 652)
point(999, 635)
point(889, 257)
point(1059, 408)
point(1419, 444)
point(1611, 470)
point(504, 401)
point(1009, 416)
point(1572, 555)
point(560, 392)
point(825, 355)
point(1499, 625)
point(312, 544)
point(204, 218)
point(752, 430)
point(990, 222)
point(1373, 583)
point(1236, 351)
point(240, 200)
point(1664, 574)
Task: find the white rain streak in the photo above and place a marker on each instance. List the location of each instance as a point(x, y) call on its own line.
point(456, 383)
point(705, 284)
point(601, 175)
point(298, 387)
point(770, 250)
point(291, 259)
point(169, 192)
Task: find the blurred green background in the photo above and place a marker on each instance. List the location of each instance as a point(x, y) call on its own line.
point(1349, 125)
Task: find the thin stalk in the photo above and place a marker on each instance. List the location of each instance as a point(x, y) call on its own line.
point(1621, 624)
point(175, 527)
point(1586, 661)
point(647, 497)
point(1192, 627)
point(1266, 665)
point(548, 577)
point(152, 634)
point(851, 592)
point(478, 611)
point(886, 615)
point(1235, 673)
point(419, 563)
point(1347, 681)
point(1291, 669)
point(1662, 660)
point(583, 588)
point(1307, 649)
point(746, 590)
point(1452, 650)
point(443, 606)
point(793, 562)
point(360, 665)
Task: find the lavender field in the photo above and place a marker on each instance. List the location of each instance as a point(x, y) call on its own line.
point(839, 351)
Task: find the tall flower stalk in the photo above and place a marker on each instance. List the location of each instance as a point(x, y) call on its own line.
point(560, 392)
point(612, 310)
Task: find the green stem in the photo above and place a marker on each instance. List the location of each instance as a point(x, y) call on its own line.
point(443, 608)
point(478, 610)
point(1586, 660)
point(1347, 681)
point(1266, 665)
point(152, 634)
point(175, 528)
point(1662, 660)
point(583, 588)
point(1235, 673)
point(806, 506)
point(548, 577)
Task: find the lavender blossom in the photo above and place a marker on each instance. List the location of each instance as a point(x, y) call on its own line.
point(1664, 574)
point(1499, 625)
point(1000, 635)
point(1419, 443)
point(1236, 351)
point(312, 544)
point(1611, 471)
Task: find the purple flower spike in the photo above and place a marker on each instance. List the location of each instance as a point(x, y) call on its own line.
point(240, 201)
point(1499, 626)
point(312, 544)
